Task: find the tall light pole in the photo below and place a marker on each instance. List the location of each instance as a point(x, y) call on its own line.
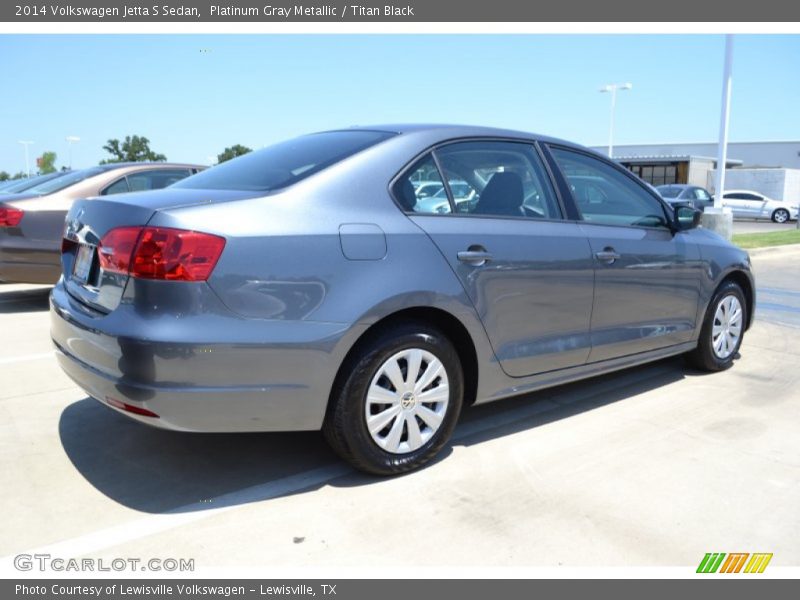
point(27, 160)
point(70, 140)
point(722, 149)
point(612, 88)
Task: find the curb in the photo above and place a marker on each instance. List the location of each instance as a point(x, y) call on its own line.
point(775, 250)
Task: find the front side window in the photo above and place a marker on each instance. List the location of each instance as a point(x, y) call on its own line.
point(605, 195)
point(701, 194)
point(499, 179)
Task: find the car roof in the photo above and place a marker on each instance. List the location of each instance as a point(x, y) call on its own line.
point(448, 131)
point(744, 192)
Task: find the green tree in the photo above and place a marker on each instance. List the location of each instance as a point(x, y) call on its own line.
point(19, 175)
point(132, 149)
point(4, 176)
point(232, 152)
point(46, 163)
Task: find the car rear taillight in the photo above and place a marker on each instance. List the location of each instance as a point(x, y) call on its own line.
point(116, 248)
point(10, 216)
point(160, 253)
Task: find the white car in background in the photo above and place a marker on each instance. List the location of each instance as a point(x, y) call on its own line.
point(754, 205)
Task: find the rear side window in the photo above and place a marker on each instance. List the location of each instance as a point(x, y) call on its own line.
point(607, 196)
point(421, 189)
point(498, 179)
point(118, 187)
point(669, 192)
point(285, 163)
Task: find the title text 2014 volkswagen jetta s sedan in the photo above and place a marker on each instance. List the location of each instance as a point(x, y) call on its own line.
point(303, 287)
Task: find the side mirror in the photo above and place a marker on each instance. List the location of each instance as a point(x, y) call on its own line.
point(687, 217)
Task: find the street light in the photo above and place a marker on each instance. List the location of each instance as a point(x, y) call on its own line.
point(27, 161)
point(612, 88)
point(70, 140)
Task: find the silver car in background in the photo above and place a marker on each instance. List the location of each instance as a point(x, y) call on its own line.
point(305, 287)
point(32, 222)
point(747, 204)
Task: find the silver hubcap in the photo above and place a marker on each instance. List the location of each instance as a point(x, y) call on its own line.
point(407, 401)
point(727, 328)
point(781, 216)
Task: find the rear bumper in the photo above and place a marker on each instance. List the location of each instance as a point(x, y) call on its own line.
point(211, 372)
point(27, 264)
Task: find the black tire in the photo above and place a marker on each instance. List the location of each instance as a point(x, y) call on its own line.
point(703, 357)
point(780, 215)
point(345, 426)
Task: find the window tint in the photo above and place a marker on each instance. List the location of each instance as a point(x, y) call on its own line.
point(419, 188)
point(605, 195)
point(701, 194)
point(118, 187)
point(503, 179)
point(285, 163)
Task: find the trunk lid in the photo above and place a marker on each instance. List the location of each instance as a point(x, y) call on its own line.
point(89, 220)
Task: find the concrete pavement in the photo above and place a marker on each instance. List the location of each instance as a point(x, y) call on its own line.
point(653, 466)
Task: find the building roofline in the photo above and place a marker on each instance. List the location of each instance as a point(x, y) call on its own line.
point(616, 145)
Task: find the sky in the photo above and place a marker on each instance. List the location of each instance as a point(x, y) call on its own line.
point(193, 95)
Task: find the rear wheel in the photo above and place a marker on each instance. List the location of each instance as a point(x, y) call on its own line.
point(780, 215)
point(723, 329)
point(399, 402)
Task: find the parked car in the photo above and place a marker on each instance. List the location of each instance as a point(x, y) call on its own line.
point(462, 192)
point(695, 195)
point(18, 186)
point(426, 189)
point(32, 223)
point(301, 287)
point(754, 205)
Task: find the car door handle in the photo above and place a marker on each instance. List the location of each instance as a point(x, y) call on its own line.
point(474, 256)
point(607, 255)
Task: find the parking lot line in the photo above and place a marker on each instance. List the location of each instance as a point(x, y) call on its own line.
point(190, 513)
point(139, 528)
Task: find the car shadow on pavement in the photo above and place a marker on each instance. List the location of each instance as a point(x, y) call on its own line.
point(22, 301)
point(158, 471)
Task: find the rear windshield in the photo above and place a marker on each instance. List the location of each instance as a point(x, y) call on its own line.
point(66, 180)
point(285, 163)
point(26, 184)
point(669, 192)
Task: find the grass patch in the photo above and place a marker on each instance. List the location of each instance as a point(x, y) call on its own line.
point(762, 240)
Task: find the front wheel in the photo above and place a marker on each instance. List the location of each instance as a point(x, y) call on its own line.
point(723, 329)
point(398, 403)
point(781, 215)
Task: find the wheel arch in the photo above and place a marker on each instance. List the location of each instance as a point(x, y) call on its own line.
point(450, 326)
point(743, 281)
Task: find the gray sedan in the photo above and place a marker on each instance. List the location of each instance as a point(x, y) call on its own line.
point(698, 197)
point(304, 287)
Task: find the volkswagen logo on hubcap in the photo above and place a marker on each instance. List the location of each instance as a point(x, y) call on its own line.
point(408, 401)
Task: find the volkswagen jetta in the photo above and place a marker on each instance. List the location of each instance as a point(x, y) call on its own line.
point(305, 287)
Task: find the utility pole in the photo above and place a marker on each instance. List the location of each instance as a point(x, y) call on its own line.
point(722, 150)
point(27, 160)
point(612, 89)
